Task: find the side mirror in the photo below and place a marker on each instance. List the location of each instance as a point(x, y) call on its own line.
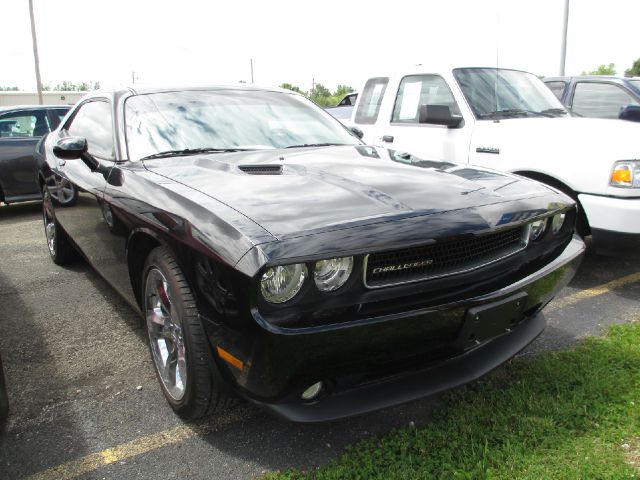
point(438, 115)
point(357, 132)
point(73, 148)
point(70, 148)
point(630, 112)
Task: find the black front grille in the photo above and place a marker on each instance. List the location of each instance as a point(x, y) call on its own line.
point(442, 258)
point(261, 169)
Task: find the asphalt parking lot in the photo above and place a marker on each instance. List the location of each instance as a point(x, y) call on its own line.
point(85, 402)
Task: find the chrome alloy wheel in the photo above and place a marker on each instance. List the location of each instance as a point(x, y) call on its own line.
point(49, 223)
point(164, 327)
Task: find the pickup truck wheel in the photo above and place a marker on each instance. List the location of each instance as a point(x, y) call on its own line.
point(60, 248)
point(177, 340)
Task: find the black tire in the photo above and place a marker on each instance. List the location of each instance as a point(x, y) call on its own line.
point(60, 248)
point(170, 311)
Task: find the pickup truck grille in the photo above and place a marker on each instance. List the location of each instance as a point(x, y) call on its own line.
point(443, 258)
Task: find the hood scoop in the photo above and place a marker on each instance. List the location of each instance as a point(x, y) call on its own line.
point(261, 169)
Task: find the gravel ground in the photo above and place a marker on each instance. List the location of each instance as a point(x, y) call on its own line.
point(80, 377)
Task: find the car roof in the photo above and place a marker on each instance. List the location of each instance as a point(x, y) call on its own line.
point(11, 108)
point(147, 89)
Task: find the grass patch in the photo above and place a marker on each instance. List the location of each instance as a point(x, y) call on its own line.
point(561, 415)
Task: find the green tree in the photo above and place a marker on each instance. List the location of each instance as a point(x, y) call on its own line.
point(291, 87)
point(9, 89)
point(342, 90)
point(321, 95)
point(603, 70)
point(68, 86)
point(634, 71)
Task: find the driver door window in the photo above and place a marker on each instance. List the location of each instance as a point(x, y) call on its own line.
point(93, 121)
point(416, 90)
point(32, 123)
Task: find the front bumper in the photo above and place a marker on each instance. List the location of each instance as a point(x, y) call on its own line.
point(614, 214)
point(384, 361)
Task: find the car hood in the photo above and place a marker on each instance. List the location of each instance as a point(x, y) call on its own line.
point(302, 190)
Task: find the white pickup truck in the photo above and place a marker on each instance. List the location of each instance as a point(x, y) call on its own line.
point(509, 120)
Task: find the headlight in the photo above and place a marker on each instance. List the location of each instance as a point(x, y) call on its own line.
point(537, 229)
point(557, 222)
point(331, 274)
point(283, 282)
point(626, 174)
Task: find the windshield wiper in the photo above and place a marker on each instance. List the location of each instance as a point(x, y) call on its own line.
point(511, 112)
point(302, 145)
point(192, 151)
point(555, 111)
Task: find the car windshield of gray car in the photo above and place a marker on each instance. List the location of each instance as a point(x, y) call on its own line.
point(170, 124)
point(497, 93)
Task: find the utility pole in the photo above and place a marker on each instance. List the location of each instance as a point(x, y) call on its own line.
point(565, 26)
point(35, 52)
point(251, 59)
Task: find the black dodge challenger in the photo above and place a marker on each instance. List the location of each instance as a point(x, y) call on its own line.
point(274, 255)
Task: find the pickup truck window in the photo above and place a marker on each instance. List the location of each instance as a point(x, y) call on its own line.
point(370, 101)
point(557, 88)
point(498, 93)
point(416, 90)
point(596, 99)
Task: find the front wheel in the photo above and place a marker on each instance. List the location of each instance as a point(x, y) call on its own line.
point(60, 248)
point(177, 341)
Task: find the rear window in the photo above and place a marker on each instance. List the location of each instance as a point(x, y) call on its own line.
point(370, 100)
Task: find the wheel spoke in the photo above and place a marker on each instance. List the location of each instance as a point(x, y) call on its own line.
point(156, 317)
point(169, 370)
point(163, 295)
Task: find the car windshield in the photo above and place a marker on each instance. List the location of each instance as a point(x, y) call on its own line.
point(497, 93)
point(226, 119)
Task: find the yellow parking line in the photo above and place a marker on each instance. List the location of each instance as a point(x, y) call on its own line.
point(592, 292)
point(158, 440)
point(136, 447)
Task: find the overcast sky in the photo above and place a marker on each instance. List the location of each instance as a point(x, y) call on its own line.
point(333, 42)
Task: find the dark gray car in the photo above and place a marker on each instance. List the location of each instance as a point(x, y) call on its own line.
point(20, 130)
point(599, 96)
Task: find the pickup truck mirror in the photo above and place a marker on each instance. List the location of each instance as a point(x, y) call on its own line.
point(630, 112)
point(438, 115)
point(357, 132)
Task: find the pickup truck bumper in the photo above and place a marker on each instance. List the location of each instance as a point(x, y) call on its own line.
point(614, 221)
point(498, 339)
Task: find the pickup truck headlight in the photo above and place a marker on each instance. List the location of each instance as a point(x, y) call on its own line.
point(626, 174)
point(331, 274)
point(281, 283)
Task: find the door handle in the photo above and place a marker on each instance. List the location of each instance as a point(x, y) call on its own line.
point(388, 138)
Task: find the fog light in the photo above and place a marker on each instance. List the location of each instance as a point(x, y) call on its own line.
point(557, 222)
point(312, 392)
point(537, 229)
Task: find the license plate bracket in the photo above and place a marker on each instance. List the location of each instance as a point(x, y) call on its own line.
point(486, 321)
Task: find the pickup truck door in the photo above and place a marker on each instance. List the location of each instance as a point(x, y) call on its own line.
point(398, 127)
